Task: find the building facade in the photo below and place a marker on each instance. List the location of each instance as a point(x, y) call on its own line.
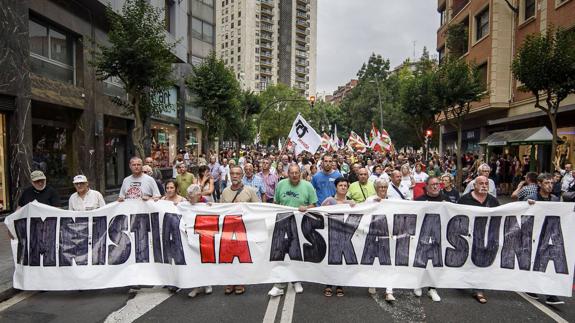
point(56, 116)
point(495, 30)
point(341, 92)
point(269, 41)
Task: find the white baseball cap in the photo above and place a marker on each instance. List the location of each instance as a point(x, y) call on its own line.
point(80, 179)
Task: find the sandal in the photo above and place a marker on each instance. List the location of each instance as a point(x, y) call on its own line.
point(239, 289)
point(327, 292)
point(481, 298)
point(339, 292)
point(229, 289)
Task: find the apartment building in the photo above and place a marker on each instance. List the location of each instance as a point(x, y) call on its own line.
point(495, 30)
point(55, 115)
point(341, 92)
point(269, 41)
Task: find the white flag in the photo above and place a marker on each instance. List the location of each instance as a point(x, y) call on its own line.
point(303, 136)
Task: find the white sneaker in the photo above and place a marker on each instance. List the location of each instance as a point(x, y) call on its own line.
point(194, 292)
point(389, 297)
point(208, 290)
point(433, 294)
point(298, 287)
point(417, 292)
point(276, 292)
point(372, 290)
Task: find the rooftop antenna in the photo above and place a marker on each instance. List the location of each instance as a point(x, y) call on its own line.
point(414, 42)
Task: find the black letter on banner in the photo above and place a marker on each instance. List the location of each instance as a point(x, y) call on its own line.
point(403, 229)
point(429, 245)
point(482, 255)
point(551, 230)
point(43, 241)
point(22, 235)
point(73, 241)
point(457, 227)
point(119, 253)
point(141, 226)
point(172, 239)
point(517, 242)
point(340, 234)
point(156, 241)
point(315, 250)
point(377, 242)
point(285, 238)
point(99, 240)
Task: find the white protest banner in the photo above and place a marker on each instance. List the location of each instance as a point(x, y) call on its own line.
point(304, 136)
point(400, 244)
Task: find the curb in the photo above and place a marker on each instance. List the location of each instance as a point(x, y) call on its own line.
point(7, 291)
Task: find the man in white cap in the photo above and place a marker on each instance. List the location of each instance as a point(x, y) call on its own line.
point(39, 191)
point(84, 199)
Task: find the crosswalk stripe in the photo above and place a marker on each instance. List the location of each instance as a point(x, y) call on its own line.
point(145, 300)
point(289, 305)
point(15, 299)
point(272, 310)
point(544, 309)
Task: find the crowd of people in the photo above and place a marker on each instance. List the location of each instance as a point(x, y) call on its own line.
point(311, 180)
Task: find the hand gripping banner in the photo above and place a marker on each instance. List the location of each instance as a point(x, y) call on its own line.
point(399, 244)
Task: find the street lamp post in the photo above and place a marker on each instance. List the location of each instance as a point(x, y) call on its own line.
point(376, 81)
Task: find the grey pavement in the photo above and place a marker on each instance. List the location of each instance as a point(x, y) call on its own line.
point(6, 262)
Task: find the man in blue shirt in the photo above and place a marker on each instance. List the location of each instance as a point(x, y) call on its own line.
point(323, 182)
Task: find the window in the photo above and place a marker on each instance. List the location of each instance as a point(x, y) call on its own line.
point(51, 52)
point(169, 14)
point(202, 30)
point(482, 70)
point(482, 24)
point(239, 23)
point(529, 9)
point(441, 53)
point(209, 3)
point(442, 16)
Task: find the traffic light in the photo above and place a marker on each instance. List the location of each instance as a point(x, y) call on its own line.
point(311, 101)
point(428, 133)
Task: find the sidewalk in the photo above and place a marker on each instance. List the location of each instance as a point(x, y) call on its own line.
point(6, 264)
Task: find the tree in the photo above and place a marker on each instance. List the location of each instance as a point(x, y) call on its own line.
point(280, 106)
point(241, 125)
point(141, 58)
point(545, 64)
point(217, 91)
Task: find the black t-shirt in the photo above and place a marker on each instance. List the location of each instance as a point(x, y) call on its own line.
point(453, 195)
point(468, 199)
point(438, 198)
point(48, 196)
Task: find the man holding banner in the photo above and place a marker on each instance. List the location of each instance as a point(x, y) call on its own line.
point(294, 192)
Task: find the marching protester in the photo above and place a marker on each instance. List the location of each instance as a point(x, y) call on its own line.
point(526, 188)
point(395, 192)
point(39, 191)
point(432, 194)
point(138, 185)
point(448, 189)
point(324, 182)
point(148, 171)
point(253, 181)
point(206, 182)
point(156, 173)
point(362, 189)
point(172, 192)
point(483, 170)
point(269, 180)
point(237, 193)
point(480, 196)
point(85, 199)
point(184, 178)
point(294, 192)
point(545, 187)
point(216, 173)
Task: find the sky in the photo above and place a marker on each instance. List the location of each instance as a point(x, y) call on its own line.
point(350, 30)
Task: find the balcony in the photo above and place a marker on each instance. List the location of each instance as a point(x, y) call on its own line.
point(266, 37)
point(302, 15)
point(266, 45)
point(302, 62)
point(266, 27)
point(301, 54)
point(300, 31)
point(457, 6)
point(266, 63)
point(266, 71)
point(267, 11)
point(301, 39)
point(302, 8)
point(302, 23)
point(302, 48)
point(300, 79)
point(266, 19)
point(266, 54)
point(267, 3)
point(301, 70)
point(300, 86)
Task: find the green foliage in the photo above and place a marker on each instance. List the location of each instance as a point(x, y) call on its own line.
point(280, 106)
point(241, 126)
point(456, 84)
point(545, 64)
point(376, 68)
point(141, 58)
point(457, 39)
point(217, 91)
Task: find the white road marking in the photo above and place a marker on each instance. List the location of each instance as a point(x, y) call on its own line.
point(543, 309)
point(407, 308)
point(145, 300)
point(289, 304)
point(272, 309)
point(15, 299)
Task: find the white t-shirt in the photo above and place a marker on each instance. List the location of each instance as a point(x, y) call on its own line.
point(392, 193)
point(138, 187)
point(421, 177)
point(405, 187)
point(91, 201)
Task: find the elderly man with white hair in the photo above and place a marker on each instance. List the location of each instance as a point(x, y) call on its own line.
point(483, 170)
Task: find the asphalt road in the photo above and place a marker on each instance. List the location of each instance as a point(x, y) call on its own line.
point(159, 305)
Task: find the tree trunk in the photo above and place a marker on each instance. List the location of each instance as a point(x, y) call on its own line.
point(553, 120)
point(138, 131)
point(206, 135)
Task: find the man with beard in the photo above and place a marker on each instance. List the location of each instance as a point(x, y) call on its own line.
point(479, 196)
point(39, 191)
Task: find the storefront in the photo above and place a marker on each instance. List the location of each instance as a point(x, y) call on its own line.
point(4, 194)
point(164, 143)
point(564, 153)
point(469, 141)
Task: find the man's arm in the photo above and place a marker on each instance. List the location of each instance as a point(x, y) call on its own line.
point(515, 194)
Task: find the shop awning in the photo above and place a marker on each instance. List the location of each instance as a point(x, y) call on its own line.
point(529, 136)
